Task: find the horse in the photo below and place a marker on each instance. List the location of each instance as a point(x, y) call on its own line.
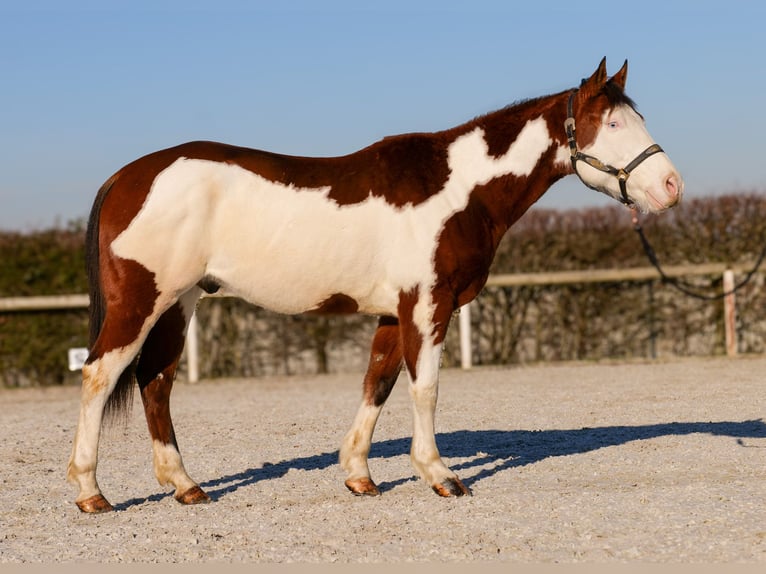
point(404, 229)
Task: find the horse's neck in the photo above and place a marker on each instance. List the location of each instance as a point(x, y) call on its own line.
point(530, 138)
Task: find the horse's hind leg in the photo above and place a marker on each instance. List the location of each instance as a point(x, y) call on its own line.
point(119, 340)
point(155, 373)
point(382, 372)
point(100, 377)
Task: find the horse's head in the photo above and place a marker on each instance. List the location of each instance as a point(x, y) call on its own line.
point(612, 151)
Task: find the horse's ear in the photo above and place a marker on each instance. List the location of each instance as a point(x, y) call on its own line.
point(620, 77)
point(596, 81)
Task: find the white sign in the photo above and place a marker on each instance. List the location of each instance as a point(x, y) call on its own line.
point(77, 357)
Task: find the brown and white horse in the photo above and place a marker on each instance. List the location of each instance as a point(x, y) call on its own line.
point(404, 229)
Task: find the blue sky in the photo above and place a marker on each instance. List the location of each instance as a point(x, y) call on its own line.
point(86, 87)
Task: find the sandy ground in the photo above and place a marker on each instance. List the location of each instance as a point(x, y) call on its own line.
point(659, 462)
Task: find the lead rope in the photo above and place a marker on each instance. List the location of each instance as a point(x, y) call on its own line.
point(683, 286)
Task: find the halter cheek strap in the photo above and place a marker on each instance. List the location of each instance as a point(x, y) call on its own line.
point(622, 174)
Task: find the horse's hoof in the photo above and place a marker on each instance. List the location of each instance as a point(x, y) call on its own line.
point(94, 505)
point(362, 487)
point(195, 495)
point(451, 487)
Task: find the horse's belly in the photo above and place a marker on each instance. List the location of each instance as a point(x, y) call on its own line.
point(296, 285)
point(299, 261)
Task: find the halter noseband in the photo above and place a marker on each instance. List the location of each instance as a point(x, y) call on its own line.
point(576, 155)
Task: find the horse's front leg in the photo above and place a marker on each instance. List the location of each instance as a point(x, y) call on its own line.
point(382, 372)
point(422, 348)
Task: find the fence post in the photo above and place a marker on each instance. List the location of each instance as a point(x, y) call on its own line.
point(465, 336)
point(729, 314)
point(192, 349)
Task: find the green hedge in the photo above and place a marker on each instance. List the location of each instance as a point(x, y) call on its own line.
point(513, 325)
point(33, 346)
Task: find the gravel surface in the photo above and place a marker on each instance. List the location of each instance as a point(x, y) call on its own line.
point(641, 462)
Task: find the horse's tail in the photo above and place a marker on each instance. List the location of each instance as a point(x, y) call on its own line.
point(122, 395)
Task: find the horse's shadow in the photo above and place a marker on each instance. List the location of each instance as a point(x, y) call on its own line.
point(501, 449)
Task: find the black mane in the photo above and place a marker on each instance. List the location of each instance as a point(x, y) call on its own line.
point(617, 96)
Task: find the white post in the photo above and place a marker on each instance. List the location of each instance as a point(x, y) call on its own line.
point(729, 314)
point(192, 353)
point(465, 336)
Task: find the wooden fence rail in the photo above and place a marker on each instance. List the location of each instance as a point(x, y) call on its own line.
point(43, 303)
point(636, 274)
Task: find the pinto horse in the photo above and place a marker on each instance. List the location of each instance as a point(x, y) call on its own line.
point(405, 229)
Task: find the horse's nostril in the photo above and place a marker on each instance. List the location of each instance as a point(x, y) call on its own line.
point(671, 186)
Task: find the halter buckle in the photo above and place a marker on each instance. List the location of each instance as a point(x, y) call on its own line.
point(569, 126)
